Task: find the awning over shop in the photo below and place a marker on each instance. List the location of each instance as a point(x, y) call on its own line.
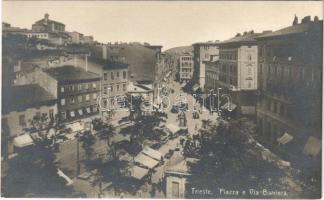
point(313, 146)
point(286, 138)
point(173, 128)
point(229, 106)
point(195, 87)
point(146, 160)
point(152, 153)
point(75, 127)
point(23, 141)
point(138, 172)
point(183, 84)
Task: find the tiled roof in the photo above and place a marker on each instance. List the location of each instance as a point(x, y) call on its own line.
point(71, 73)
point(25, 96)
point(206, 43)
point(295, 29)
point(107, 64)
point(245, 38)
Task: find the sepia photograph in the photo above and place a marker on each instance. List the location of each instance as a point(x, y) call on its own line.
point(161, 99)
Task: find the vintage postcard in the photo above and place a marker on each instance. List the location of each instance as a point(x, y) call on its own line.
point(162, 99)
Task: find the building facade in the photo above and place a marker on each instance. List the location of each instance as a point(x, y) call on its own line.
point(186, 67)
point(238, 58)
point(77, 92)
point(290, 82)
point(212, 75)
point(202, 52)
point(20, 104)
point(47, 25)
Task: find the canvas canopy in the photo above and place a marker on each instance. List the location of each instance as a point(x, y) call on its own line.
point(173, 128)
point(229, 106)
point(195, 87)
point(285, 138)
point(23, 141)
point(138, 172)
point(146, 160)
point(152, 153)
point(313, 146)
point(75, 127)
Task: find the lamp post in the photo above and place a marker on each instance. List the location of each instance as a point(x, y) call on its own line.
point(218, 100)
point(78, 153)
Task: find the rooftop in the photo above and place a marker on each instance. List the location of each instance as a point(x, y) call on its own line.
point(108, 64)
point(71, 73)
point(24, 96)
point(213, 43)
point(246, 37)
point(294, 29)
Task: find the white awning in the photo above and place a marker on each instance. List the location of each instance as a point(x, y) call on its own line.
point(152, 153)
point(88, 110)
point(80, 112)
point(286, 138)
point(173, 128)
point(229, 106)
point(146, 160)
point(75, 127)
point(195, 87)
point(66, 178)
point(138, 172)
point(23, 141)
point(313, 146)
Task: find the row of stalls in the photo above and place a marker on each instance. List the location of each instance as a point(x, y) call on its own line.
point(145, 162)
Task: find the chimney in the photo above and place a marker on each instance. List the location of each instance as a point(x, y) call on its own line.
point(251, 32)
point(316, 19)
point(295, 22)
point(244, 33)
point(238, 34)
point(306, 19)
point(46, 16)
point(267, 31)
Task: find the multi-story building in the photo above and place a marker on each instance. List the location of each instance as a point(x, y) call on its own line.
point(290, 85)
point(212, 74)
point(186, 67)
point(202, 52)
point(77, 92)
point(76, 37)
point(20, 104)
point(114, 80)
point(47, 25)
point(238, 58)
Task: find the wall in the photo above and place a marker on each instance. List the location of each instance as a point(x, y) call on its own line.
point(247, 67)
point(181, 181)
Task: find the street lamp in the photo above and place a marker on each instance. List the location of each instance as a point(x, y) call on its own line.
point(218, 100)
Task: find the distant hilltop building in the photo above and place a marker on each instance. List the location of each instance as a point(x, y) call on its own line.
point(47, 25)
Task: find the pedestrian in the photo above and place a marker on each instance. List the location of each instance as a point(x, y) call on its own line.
point(122, 195)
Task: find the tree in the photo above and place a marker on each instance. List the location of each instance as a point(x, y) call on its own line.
point(105, 132)
point(88, 140)
point(229, 160)
point(50, 129)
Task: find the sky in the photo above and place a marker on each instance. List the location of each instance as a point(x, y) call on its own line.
point(166, 23)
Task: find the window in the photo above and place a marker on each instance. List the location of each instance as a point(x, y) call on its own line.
point(249, 57)
point(62, 102)
point(80, 87)
point(105, 90)
point(72, 100)
point(62, 89)
point(51, 114)
point(269, 104)
point(87, 86)
point(94, 85)
point(112, 75)
point(63, 115)
point(72, 114)
point(117, 74)
point(281, 109)
point(275, 107)
point(260, 69)
point(289, 72)
point(249, 71)
point(87, 97)
point(95, 96)
point(22, 120)
point(124, 87)
point(112, 88)
point(71, 87)
point(249, 84)
point(117, 87)
point(105, 76)
point(124, 74)
point(80, 98)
